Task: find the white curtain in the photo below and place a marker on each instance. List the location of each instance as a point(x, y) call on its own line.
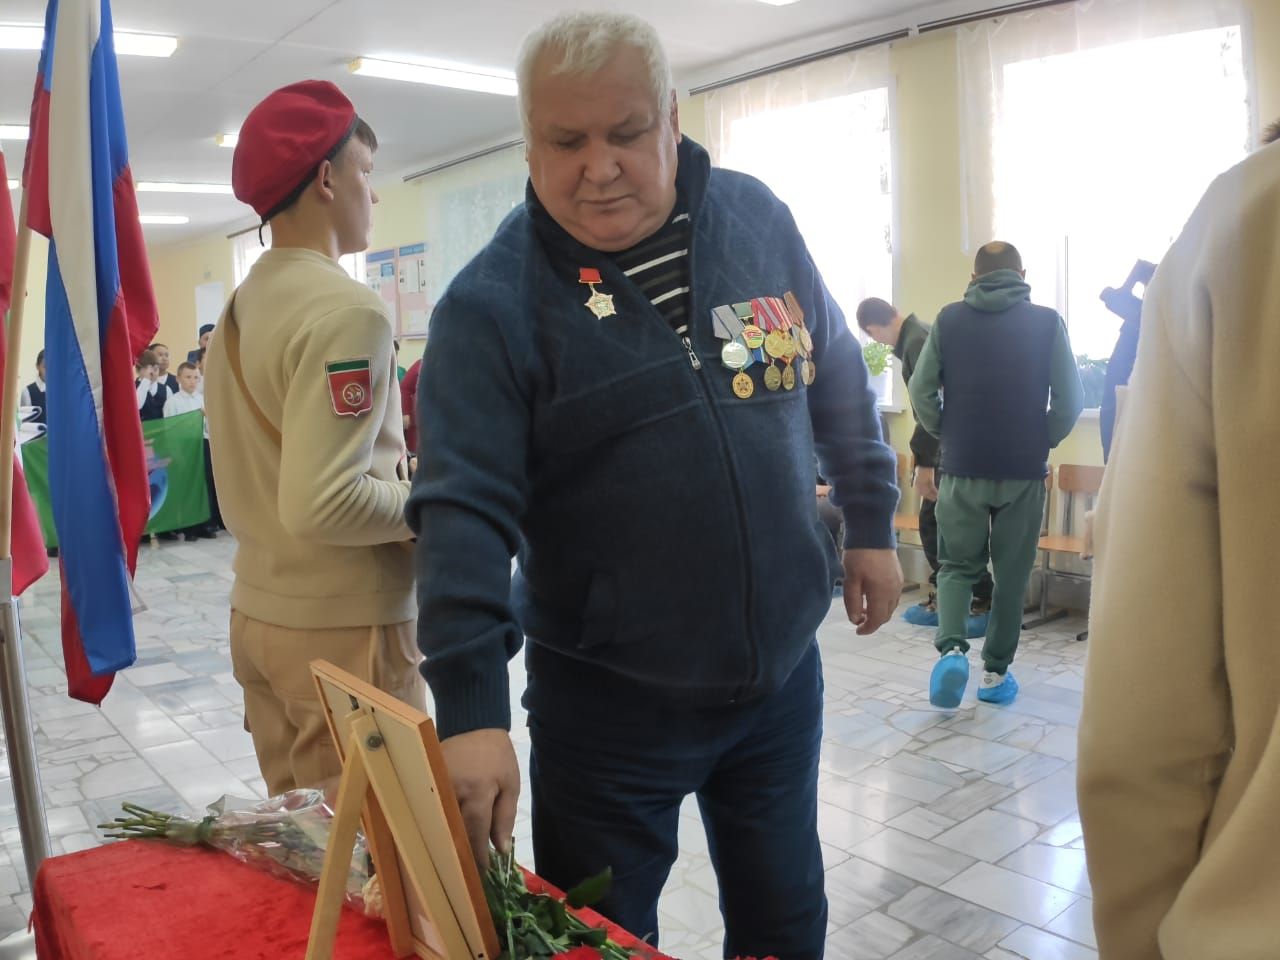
point(820, 136)
point(463, 206)
point(1089, 131)
point(245, 251)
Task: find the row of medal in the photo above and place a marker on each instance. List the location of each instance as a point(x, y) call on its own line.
point(765, 330)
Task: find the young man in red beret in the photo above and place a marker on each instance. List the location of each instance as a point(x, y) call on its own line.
point(305, 430)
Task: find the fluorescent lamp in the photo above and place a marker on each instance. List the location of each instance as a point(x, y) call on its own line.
point(779, 3)
point(12, 131)
point(162, 219)
point(458, 79)
point(144, 44)
point(30, 36)
point(150, 186)
point(227, 139)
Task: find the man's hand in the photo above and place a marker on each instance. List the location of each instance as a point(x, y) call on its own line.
point(486, 778)
point(925, 483)
point(872, 586)
point(824, 490)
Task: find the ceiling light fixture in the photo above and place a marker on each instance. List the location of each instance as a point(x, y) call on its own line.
point(13, 131)
point(779, 3)
point(227, 139)
point(163, 219)
point(454, 77)
point(158, 186)
point(30, 36)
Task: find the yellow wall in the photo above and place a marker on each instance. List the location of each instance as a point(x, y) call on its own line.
point(693, 118)
point(176, 271)
point(399, 218)
point(1265, 17)
point(931, 268)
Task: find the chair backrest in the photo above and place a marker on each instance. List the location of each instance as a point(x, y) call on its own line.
point(1077, 480)
point(1074, 478)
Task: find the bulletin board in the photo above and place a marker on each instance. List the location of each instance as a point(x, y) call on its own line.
point(415, 309)
point(380, 275)
point(399, 276)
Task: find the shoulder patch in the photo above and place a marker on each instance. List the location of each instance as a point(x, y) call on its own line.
point(350, 386)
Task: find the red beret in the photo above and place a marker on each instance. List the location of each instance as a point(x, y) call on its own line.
point(285, 137)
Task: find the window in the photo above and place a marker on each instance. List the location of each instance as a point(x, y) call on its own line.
point(1101, 156)
point(1092, 131)
point(245, 251)
point(820, 137)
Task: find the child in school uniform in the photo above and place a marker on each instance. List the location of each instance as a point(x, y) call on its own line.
point(152, 394)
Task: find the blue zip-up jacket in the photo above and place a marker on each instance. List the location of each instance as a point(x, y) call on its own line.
point(667, 530)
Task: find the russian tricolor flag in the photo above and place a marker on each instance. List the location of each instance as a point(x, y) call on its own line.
point(100, 314)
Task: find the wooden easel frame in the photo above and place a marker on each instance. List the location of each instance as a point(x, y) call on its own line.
point(433, 900)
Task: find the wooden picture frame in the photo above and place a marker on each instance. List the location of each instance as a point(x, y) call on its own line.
point(394, 779)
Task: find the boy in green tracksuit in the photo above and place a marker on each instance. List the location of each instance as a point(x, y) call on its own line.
point(997, 360)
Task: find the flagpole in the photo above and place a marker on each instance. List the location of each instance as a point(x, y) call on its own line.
point(23, 769)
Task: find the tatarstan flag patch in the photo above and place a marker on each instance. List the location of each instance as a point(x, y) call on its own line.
point(350, 386)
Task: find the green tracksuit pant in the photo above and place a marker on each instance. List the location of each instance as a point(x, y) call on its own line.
point(969, 511)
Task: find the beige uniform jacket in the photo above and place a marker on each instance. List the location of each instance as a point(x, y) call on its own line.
point(314, 496)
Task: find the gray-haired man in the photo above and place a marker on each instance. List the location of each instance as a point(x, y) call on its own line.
point(628, 385)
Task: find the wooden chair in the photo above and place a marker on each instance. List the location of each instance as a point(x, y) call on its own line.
point(906, 522)
point(1074, 481)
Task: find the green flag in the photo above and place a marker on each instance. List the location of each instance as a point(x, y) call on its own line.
point(175, 468)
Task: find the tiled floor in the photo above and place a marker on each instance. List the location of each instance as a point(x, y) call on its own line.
point(947, 836)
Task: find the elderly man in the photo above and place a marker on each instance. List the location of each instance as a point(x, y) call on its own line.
point(627, 387)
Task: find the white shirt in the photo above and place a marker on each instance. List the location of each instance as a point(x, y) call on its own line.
point(146, 388)
point(183, 402)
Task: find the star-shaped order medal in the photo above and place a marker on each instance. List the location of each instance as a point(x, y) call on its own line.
point(601, 304)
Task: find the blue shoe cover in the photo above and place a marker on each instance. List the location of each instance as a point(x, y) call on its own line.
point(947, 682)
point(920, 616)
point(1004, 693)
point(975, 625)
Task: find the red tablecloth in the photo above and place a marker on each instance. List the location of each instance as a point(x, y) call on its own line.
point(146, 900)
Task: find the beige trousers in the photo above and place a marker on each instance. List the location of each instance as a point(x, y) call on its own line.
point(281, 707)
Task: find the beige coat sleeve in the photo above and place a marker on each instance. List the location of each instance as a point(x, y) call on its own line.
point(1154, 733)
point(327, 493)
